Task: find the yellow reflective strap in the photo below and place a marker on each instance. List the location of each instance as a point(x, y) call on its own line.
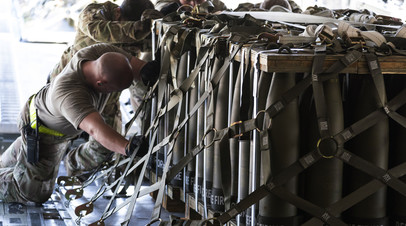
point(33, 121)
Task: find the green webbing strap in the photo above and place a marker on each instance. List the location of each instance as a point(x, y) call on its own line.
point(174, 64)
point(359, 194)
point(177, 52)
point(187, 83)
point(376, 73)
point(156, 213)
point(179, 47)
point(380, 174)
point(348, 59)
point(144, 159)
point(170, 32)
point(278, 180)
point(120, 180)
point(318, 91)
point(377, 77)
point(321, 213)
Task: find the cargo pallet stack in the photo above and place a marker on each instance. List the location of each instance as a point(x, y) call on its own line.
point(276, 118)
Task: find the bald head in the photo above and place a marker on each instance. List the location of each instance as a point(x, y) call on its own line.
point(115, 72)
point(267, 4)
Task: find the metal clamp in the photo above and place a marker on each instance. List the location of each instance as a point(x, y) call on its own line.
point(84, 209)
point(74, 193)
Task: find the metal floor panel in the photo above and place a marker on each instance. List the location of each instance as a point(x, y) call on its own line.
point(58, 212)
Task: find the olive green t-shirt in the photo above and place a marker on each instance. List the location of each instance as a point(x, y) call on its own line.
point(67, 100)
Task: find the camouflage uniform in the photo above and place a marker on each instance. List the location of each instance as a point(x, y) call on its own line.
point(25, 182)
point(96, 25)
point(218, 5)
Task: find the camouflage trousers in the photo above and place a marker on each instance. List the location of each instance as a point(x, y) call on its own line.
point(89, 155)
point(24, 182)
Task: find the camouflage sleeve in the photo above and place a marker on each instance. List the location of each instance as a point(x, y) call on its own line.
point(219, 5)
point(102, 30)
point(162, 3)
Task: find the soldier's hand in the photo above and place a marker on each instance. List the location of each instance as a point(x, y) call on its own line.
point(151, 14)
point(134, 142)
point(150, 72)
point(170, 8)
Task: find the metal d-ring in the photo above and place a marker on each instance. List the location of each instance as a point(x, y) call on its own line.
point(204, 137)
point(329, 145)
point(256, 116)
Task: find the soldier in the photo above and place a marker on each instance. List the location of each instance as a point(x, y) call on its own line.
point(61, 110)
point(169, 6)
point(290, 5)
point(126, 26)
point(268, 4)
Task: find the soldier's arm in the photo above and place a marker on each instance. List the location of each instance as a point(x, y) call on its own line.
point(95, 126)
point(101, 30)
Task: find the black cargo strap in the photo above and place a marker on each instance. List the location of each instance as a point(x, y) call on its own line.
point(278, 180)
point(360, 194)
point(377, 77)
point(376, 73)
